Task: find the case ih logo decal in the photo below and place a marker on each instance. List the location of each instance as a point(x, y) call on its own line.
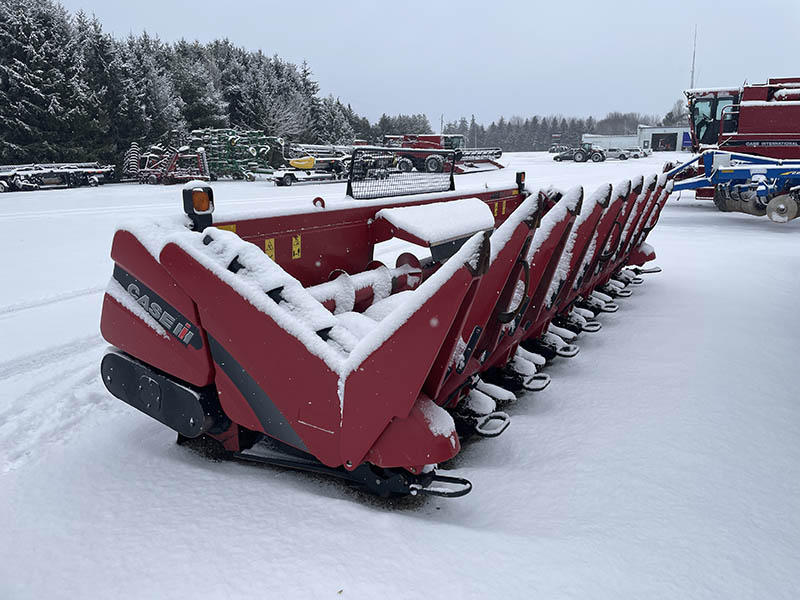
point(760, 143)
point(173, 321)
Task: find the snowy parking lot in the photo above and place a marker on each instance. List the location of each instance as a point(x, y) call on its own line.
point(662, 462)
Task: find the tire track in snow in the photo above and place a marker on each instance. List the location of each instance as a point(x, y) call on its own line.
point(20, 306)
point(38, 360)
point(51, 412)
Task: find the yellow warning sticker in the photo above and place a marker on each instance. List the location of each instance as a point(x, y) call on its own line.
point(269, 247)
point(504, 207)
point(514, 192)
point(231, 227)
point(495, 208)
point(296, 246)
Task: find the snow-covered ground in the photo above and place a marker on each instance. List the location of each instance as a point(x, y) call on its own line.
point(662, 462)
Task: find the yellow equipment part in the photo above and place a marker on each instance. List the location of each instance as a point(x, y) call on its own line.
point(306, 162)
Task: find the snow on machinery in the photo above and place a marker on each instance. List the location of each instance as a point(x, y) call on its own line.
point(286, 341)
point(419, 152)
point(306, 163)
point(759, 119)
point(745, 183)
point(35, 176)
point(165, 164)
point(375, 172)
point(238, 154)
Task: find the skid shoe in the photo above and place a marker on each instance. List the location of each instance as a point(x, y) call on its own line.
point(596, 305)
point(550, 346)
point(576, 323)
point(625, 276)
point(646, 271)
point(488, 426)
point(376, 480)
point(643, 271)
point(477, 415)
point(516, 381)
point(615, 291)
point(567, 335)
point(571, 326)
point(592, 327)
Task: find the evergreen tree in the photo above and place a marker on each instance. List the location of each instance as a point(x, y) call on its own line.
point(313, 106)
point(475, 134)
point(332, 124)
point(42, 97)
point(155, 91)
point(113, 118)
point(229, 63)
point(360, 125)
point(69, 91)
point(193, 79)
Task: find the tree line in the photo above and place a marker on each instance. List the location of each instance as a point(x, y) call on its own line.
point(69, 91)
point(538, 133)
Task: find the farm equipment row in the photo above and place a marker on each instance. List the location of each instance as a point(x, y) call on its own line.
point(33, 177)
point(211, 154)
point(233, 153)
point(425, 153)
point(371, 163)
point(284, 340)
point(421, 154)
point(165, 164)
point(306, 163)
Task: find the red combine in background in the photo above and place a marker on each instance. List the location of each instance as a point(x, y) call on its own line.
point(421, 153)
point(761, 119)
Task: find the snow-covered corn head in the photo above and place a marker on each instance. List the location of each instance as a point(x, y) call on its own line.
point(283, 338)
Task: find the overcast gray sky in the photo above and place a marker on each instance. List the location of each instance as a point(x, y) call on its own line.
point(494, 57)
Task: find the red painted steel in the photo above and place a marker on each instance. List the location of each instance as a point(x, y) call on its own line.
point(500, 341)
point(381, 412)
point(447, 378)
point(583, 239)
point(128, 332)
point(764, 118)
point(605, 227)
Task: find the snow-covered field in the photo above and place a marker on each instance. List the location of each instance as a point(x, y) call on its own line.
point(662, 462)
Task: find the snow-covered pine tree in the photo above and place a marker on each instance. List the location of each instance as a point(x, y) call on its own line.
point(229, 62)
point(128, 118)
point(475, 133)
point(257, 89)
point(332, 124)
point(309, 90)
point(360, 125)
point(148, 62)
point(41, 93)
point(194, 80)
point(112, 119)
point(70, 91)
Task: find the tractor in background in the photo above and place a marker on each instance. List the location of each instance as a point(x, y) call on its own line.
point(585, 152)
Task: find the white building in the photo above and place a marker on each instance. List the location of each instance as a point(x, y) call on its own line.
point(656, 138)
point(611, 141)
point(649, 137)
